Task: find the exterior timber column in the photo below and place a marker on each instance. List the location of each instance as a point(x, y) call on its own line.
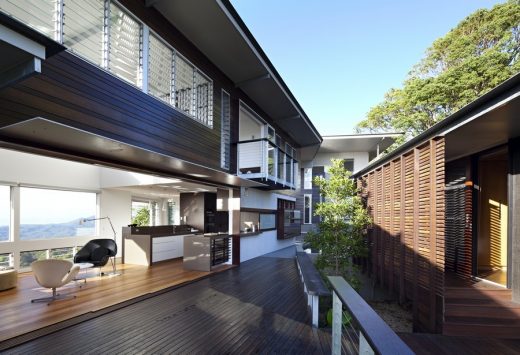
point(234, 223)
point(514, 219)
point(433, 233)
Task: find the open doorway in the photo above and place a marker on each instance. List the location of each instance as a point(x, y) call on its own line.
point(493, 214)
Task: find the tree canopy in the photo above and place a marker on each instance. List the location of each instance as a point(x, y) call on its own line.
point(340, 235)
point(474, 57)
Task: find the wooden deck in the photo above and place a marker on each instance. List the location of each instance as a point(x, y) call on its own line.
point(257, 307)
point(435, 344)
point(19, 316)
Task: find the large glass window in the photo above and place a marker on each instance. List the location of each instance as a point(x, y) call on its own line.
point(145, 213)
point(6, 260)
point(5, 212)
point(225, 138)
point(125, 45)
point(307, 178)
point(62, 253)
point(307, 209)
point(46, 214)
point(27, 257)
point(38, 14)
point(83, 28)
point(160, 69)
point(281, 164)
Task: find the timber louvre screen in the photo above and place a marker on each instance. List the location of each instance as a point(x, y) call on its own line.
point(406, 201)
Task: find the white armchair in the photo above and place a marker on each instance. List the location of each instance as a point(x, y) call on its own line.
point(53, 273)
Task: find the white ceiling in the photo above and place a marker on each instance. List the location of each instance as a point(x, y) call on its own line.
point(166, 190)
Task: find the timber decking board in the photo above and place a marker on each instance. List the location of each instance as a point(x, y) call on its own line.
point(258, 307)
point(439, 345)
point(19, 316)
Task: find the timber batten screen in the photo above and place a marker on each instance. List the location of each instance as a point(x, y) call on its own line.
point(405, 198)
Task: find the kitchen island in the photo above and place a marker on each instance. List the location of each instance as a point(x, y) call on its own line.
point(149, 245)
point(204, 252)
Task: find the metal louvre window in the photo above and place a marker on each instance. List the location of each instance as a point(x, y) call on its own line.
point(42, 15)
point(125, 45)
point(104, 33)
point(193, 92)
point(83, 29)
point(203, 99)
point(160, 69)
point(225, 136)
point(183, 85)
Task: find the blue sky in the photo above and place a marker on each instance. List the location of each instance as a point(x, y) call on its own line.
point(339, 57)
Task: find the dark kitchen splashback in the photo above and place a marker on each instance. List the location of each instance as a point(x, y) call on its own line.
point(199, 210)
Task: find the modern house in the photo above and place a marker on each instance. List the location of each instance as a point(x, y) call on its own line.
point(445, 215)
point(357, 150)
point(109, 106)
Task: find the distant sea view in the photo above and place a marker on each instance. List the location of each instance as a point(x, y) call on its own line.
point(51, 230)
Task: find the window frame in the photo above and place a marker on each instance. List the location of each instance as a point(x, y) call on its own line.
point(61, 237)
point(152, 33)
point(307, 183)
point(225, 124)
point(305, 196)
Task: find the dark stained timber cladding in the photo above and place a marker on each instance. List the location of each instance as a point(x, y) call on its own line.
point(74, 92)
point(405, 199)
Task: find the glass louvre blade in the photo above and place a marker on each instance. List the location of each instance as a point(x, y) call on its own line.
point(184, 85)
point(83, 28)
point(41, 15)
point(225, 137)
point(203, 93)
point(125, 45)
point(160, 58)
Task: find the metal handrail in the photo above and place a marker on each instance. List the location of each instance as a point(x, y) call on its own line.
point(374, 332)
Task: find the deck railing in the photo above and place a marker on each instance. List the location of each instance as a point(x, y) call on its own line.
point(357, 328)
point(261, 159)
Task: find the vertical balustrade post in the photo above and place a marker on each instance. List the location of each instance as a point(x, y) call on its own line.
point(336, 324)
point(364, 346)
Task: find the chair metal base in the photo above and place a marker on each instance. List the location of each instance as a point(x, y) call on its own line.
point(114, 270)
point(55, 297)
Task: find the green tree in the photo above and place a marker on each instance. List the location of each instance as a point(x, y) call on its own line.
point(142, 217)
point(341, 233)
point(474, 57)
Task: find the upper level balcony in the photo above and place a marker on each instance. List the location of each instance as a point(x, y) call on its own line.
point(262, 160)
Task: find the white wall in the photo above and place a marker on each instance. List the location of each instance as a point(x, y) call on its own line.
point(265, 242)
point(251, 247)
point(323, 159)
point(115, 204)
point(29, 169)
point(120, 178)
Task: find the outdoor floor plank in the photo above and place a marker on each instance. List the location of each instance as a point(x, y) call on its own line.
point(258, 307)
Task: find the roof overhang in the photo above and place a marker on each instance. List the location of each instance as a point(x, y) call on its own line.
point(221, 35)
point(358, 142)
point(22, 50)
point(41, 136)
point(486, 129)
